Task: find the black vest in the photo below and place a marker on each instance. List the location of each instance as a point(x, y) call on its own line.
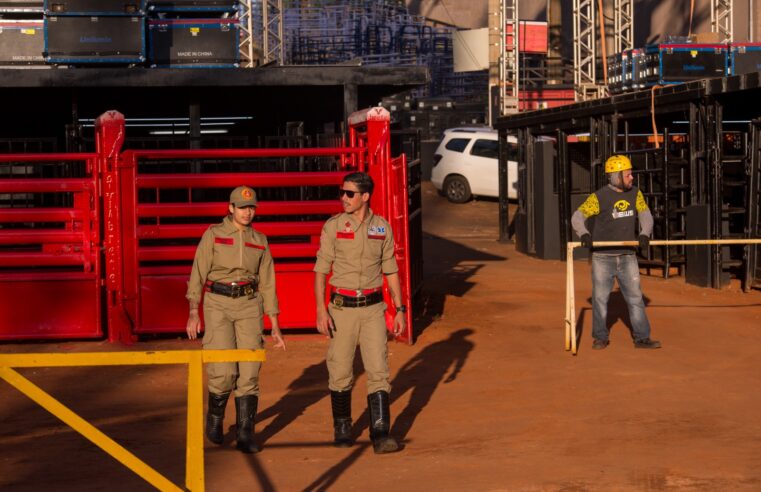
point(617, 220)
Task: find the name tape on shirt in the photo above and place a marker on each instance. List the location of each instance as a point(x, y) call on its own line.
point(224, 240)
point(376, 232)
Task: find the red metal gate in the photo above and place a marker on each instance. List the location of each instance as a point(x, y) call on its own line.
point(50, 263)
point(164, 200)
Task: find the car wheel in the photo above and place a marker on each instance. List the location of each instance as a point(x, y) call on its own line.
point(457, 189)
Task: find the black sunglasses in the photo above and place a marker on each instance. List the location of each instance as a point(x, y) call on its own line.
point(349, 193)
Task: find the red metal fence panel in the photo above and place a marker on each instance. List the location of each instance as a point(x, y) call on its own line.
point(50, 266)
point(152, 208)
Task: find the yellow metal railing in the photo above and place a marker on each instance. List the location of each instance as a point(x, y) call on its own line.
point(194, 475)
point(571, 337)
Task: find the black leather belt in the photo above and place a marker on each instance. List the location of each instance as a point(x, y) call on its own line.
point(234, 289)
point(339, 300)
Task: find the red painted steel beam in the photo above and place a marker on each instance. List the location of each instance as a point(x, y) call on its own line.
point(47, 276)
point(270, 229)
point(242, 153)
point(75, 156)
point(37, 236)
point(41, 259)
point(225, 180)
point(175, 253)
point(327, 207)
point(26, 185)
point(41, 214)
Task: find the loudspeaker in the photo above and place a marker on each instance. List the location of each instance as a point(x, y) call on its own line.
point(698, 258)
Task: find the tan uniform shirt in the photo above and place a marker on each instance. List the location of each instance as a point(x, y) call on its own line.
point(357, 252)
point(226, 254)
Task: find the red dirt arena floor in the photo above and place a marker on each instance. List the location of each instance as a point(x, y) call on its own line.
point(486, 400)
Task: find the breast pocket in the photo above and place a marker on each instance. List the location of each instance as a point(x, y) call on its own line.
point(253, 256)
point(224, 249)
point(375, 245)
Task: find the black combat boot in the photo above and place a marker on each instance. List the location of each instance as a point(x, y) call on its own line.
point(245, 407)
point(214, 417)
point(380, 423)
point(341, 403)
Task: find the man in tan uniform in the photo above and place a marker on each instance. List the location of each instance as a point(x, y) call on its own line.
point(358, 247)
point(234, 267)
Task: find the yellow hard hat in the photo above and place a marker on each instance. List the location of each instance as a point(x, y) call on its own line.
point(616, 163)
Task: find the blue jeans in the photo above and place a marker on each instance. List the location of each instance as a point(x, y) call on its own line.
point(625, 268)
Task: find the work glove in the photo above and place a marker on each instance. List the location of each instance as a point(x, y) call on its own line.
point(586, 241)
point(644, 244)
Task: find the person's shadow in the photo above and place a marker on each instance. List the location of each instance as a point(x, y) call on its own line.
point(617, 309)
point(440, 361)
point(306, 390)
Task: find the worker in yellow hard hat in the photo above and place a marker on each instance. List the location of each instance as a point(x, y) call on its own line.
point(616, 208)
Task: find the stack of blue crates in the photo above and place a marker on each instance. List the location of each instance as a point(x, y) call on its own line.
point(193, 34)
point(94, 32)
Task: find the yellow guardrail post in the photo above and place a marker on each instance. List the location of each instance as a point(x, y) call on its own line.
point(194, 465)
point(570, 304)
point(194, 458)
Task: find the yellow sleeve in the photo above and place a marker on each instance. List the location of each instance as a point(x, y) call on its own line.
point(590, 207)
point(641, 203)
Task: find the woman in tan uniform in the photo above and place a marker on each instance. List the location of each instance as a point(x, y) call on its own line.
point(233, 268)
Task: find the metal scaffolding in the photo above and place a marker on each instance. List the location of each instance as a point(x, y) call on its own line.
point(273, 45)
point(623, 25)
point(721, 19)
point(246, 45)
point(584, 49)
point(509, 57)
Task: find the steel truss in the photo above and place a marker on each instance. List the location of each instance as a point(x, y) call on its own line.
point(509, 79)
point(721, 19)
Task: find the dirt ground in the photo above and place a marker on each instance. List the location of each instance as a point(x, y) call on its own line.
point(486, 399)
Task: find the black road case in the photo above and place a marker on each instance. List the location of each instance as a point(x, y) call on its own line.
point(22, 42)
point(194, 43)
point(94, 7)
point(192, 5)
point(75, 40)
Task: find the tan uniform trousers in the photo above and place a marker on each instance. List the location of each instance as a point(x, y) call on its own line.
point(366, 327)
point(233, 323)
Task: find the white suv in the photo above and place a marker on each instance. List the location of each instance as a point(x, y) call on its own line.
point(466, 161)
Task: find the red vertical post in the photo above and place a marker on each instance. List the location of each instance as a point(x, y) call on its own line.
point(109, 138)
point(390, 194)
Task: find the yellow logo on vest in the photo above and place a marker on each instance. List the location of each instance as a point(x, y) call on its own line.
point(622, 209)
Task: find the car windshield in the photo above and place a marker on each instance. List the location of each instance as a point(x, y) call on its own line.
point(457, 144)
